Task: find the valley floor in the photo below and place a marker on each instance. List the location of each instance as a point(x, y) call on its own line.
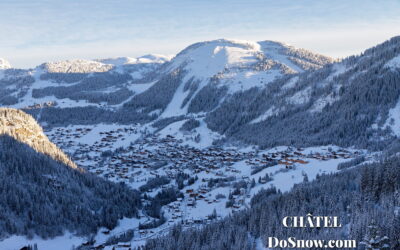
point(216, 181)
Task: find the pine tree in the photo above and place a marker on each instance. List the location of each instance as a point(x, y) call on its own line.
point(373, 240)
point(253, 183)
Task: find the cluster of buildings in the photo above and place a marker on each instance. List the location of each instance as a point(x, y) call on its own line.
point(113, 154)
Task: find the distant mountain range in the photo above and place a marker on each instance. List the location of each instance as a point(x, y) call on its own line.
point(236, 65)
point(264, 93)
point(123, 90)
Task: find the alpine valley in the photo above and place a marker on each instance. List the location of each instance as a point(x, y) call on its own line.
point(208, 149)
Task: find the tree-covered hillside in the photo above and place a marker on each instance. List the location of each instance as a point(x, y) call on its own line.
point(42, 191)
point(365, 198)
point(347, 103)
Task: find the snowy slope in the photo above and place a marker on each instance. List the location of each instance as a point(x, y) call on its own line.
point(25, 129)
point(76, 66)
point(111, 82)
point(78, 83)
point(211, 71)
point(151, 58)
point(365, 86)
point(394, 63)
point(237, 65)
point(393, 120)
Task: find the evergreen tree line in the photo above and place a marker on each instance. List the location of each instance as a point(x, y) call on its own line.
point(91, 89)
point(41, 196)
point(363, 197)
point(363, 96)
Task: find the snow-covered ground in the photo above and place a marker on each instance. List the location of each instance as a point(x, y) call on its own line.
point(237, 65)
point(181, 154)
point(205, 135)
point(270, 112)
point(152, 58)
point(87, 143)
point(393, 120)
point(394, 63)
point(301, 97)
point(322, 102)
point(65, 242)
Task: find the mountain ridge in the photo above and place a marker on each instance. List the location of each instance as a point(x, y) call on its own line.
point(24, 128)
point(205, 81)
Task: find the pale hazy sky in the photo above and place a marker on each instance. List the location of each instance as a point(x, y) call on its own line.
point(32, 32)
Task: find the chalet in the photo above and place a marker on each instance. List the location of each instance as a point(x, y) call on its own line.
point(197, 220)
point(285, 163)
point(191, 203)
point(203, 190)
point(300, 161)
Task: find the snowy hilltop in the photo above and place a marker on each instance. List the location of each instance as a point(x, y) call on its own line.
point(4, 64)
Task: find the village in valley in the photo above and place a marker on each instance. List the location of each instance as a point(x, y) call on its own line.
point(209, 183)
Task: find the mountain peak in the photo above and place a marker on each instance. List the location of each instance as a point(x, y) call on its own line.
point(4, 64)
point(76, 66)
point(236, 65)
point(154, 58)
point(206, 59)
point(243, 44)
point(212, 57)
point(150, 58)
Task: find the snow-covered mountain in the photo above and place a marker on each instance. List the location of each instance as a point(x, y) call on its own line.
point(235, 66)
point(4, 64)
point(224, 67)
point(76, 66)
point(195, 81)
point(230, 87)
point(151, 58)
point(351, 102)
point(208, 59)
point(99, 65)
point(24, 128)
